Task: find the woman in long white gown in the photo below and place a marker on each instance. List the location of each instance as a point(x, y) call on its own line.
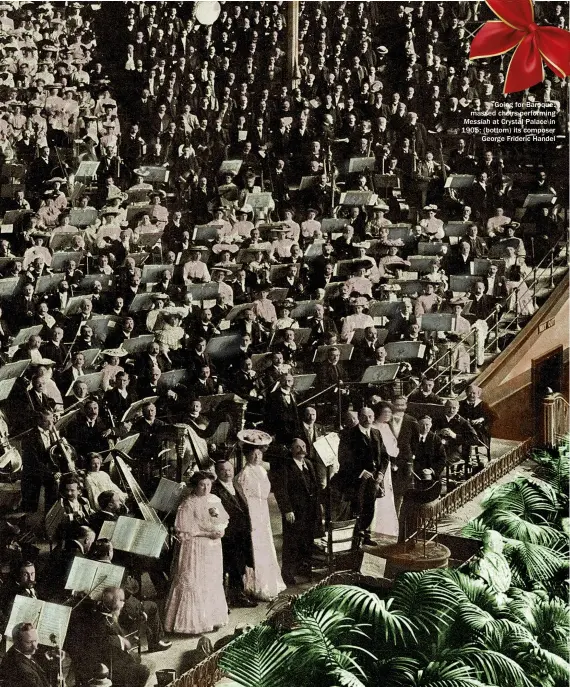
point(385, 519)
point(196, 602)
point(264, 581)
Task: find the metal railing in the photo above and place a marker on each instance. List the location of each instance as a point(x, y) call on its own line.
point(495, 323)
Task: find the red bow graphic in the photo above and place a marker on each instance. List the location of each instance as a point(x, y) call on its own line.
point(533, 43)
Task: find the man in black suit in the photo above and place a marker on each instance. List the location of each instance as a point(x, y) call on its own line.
point(236, 542)
point(151, 433)
point(88, 432)
point(281, 413)
point(405, 429)
point(425, 393)
point(363, 461)
point(321, 327)
point(456, 433)
point(429, 463)
point(296, 490)
point(110, 505)
point(108, 643)
point(119, 399)
point(429, 449)
point(22, 665)
point(477, 413)
point(37, 467)
point(309, 432)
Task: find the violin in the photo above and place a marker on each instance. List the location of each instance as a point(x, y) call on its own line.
point(62, 453)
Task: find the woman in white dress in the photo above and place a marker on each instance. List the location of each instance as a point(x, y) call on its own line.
point(264, 581)
point(196, 602)
point(385, 517)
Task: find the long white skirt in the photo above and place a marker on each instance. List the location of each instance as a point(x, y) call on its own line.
point(385, 520)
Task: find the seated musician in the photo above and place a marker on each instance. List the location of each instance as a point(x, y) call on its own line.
point(118, 399)
point(151, 431)
point(88, 432)
point(135, 612)
point(424, 394)
point(23, 664)
point(98, 481)
point(108, 642)
point(477, 413)
point(456, 434)
point(110, 504)
point(75, 506)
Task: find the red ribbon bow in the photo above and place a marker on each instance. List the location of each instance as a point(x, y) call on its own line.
point(533, 43)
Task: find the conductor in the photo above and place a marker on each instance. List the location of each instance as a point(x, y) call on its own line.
point(363, 461)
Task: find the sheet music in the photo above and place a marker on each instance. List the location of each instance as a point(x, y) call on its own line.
point(167, 495)
point(140, 537)
point(106, 575)
point(24, 610)
point(49, 619)
point(93, 576)
point(327, 450)
point(54, 620)
point(107, 530)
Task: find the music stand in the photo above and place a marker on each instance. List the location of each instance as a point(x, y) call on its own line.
point(321, 354)
point(350, 198)
point(385, 309)
point(82, 217)
point(59, 260)
point(386, 181)
point(24, 334)
point(260, 201)
point(14, 370)
point(538, 199)
point(206, 232)
point(304, 309)
point(462, 283)
point(430, 248)
point(93, 381)
point(90, 355)
point(302, 383)
point(232, 166)
point(223, 347)
point(308, 182)
point(333, 225)
point(404, 350)
point(156, 175)
point(380, 374)
point(136, 211)
point(142, 301)
point(133, 410)
point(438, 322)
point(86, 172)
point(360, 164)
point(174, 378)
point(48, 282)
point(208, 291)
point(459, 181)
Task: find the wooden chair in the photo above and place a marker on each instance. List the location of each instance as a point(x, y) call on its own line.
point(340, 544)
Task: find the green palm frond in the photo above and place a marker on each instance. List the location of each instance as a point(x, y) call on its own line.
point(474, 618)
point(475, 529)
point(512, 525)
point(363, 606)
point(442, 674)
point(545, 663)
point(429, 599)
point(475, 590)
point(321, 638)
point(524, 497)
point(395, 671)
point(533, 562)
point(259, 658)
point(492, 666)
